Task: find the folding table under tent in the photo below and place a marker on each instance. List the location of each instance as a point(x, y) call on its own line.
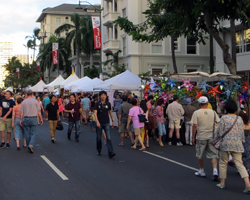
point(39, 87)
point(69, 80)
point(87, 87)
point(124, 81)
point(75, 84)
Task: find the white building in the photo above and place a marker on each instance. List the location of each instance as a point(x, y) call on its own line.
point(143, 57)
point(6, 52)
point(242, 49)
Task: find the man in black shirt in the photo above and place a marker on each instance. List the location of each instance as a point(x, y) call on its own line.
point(52, 110)
point(102, 111)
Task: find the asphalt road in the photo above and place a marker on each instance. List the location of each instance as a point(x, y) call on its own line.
point(159, 173)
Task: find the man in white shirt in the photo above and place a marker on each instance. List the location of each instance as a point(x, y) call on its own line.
point(175, 112)
point(203, 121)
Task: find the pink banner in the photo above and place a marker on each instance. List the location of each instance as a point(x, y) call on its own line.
point(97, 32)
point(55, 53)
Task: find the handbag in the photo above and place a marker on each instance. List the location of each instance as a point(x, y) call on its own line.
point(217, 141)
point(59, 126)
point(142, 118)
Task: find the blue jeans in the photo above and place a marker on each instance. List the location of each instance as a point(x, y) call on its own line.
point(161, 128)
point(71, 124)
point(93, 124)
point(106, 128)
point(30, 130)
point(18, 130)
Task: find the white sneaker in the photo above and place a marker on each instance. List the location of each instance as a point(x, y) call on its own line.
point(179, 144)
point(169, 143)
point(201, 174)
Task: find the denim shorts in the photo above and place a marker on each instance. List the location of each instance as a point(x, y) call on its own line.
point(161, 128)
point(18, 129)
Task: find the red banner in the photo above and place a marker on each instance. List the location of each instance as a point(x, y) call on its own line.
point(17, 71)
point(97, 32)
point(38, 66)
point(55, 53)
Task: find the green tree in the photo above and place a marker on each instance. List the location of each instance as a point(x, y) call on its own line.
point(117, 70)
point(92, 72)
point(114, 60)
point(191, 18)
point(74, 36)
point(32, 41)
point(45, 55)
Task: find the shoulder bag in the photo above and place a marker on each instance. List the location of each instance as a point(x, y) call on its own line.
point(142, 117)
point(217, 141)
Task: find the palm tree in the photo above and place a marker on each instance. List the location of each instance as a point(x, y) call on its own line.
point(74, 36)
point(114, 60)
point(45, 55)
point(31, 43)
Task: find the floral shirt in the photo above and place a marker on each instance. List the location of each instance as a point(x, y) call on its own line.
point(159, 115)
point(233, 140)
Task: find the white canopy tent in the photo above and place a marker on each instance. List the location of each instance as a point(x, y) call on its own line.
point(71, 86)
point(9, 89)
point(87, 87)
point(69, 80)
point(123, 81)
point(39, 87)
point(56, 82)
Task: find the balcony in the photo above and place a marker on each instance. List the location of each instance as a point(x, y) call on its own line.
point(108, 18)
point(111, 45)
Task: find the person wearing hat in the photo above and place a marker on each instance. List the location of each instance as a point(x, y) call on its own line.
point(30, 109)
point(203, 121)
point(189, 110)
point(175, 112)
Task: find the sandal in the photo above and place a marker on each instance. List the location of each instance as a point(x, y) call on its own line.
point(247, 191)
point(223, 186)
point(121, 144)
point(142, 149)
point(133, 147)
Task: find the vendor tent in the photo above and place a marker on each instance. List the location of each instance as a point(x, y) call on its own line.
point(123, 81)
point(69, 80)
point(87, 87)
point(56, 82)
point(38, 87)
point(83, 81)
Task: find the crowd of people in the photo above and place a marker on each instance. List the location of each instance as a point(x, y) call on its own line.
point(141, 121)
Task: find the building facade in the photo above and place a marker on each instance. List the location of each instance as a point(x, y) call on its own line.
point(242, 48)
point(23, 58)
point(51, 18)
point(6, 52)
point(143, 57)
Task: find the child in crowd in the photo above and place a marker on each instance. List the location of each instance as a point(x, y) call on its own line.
point(92, 120)
point(16, 115)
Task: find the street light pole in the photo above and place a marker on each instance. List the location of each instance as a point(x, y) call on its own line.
point(100, 11)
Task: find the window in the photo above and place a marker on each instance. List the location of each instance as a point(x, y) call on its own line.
point(124, 46)
point(176, 44)
point(58, 20)
point(191, 46)
point(243, 41)
point(156, 71)
point(124, 13)
point(67, 19)
point(157, 47)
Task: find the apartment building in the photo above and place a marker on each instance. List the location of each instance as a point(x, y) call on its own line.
point(6, 52)
point(51, 18)
point(23, 58)
point(143, 57)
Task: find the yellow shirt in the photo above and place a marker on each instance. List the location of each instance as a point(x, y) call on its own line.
point(209, 106)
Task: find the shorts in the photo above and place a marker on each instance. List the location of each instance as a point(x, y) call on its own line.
point(152, 122)
point(85, 113)
point(205, 146)
point(174, 124)
point(6, 125)
point(138, 131)
point(123, 128)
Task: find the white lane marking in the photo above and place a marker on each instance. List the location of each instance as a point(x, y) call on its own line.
point(59, 173)
point(172, 161)
point(65, 123)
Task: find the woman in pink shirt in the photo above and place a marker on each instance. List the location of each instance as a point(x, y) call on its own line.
point(160, 121)
point(138, 126)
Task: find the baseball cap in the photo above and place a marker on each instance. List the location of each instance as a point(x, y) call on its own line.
point(203, 99)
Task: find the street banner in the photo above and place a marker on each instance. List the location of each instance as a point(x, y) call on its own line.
point(17, 71)
point(38, 66)
point(55, 53)
point(97, 32)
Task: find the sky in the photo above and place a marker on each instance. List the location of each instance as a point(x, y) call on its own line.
point(18, 19)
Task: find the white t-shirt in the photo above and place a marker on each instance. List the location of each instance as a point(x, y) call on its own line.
point(204, 118)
